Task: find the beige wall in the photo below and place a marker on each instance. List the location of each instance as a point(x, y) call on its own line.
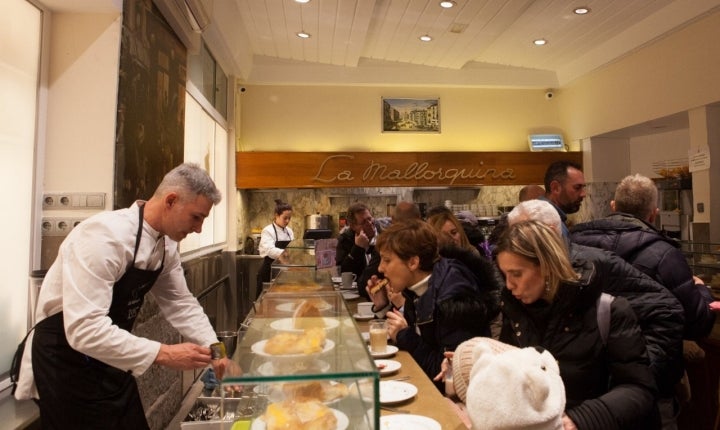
point(673, 75)
point(82, 98)
point(331, 118)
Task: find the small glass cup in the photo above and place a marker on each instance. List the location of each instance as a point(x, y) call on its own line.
point(378, 336)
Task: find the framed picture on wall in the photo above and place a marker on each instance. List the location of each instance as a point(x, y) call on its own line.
point(402, 115)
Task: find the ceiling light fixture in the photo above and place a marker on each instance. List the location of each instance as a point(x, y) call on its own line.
point(581, 10)
point(303, 35)
point(540, 42)
point(425, 38)
point(302, 1)
point(447, 4)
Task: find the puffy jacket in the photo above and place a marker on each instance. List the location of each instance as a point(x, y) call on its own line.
point(607, 386)
point(656, 255)
point(658, 312)
point(461, 300)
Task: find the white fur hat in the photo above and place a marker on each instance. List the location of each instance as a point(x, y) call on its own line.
point(519, 388)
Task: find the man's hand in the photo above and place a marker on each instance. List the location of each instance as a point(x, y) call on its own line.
point(361, 240)
point(226, 367)
point(183, 356)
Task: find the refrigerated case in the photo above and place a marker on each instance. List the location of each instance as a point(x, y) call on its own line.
point(332, 373)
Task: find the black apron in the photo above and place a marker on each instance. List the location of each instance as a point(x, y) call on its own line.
point(80, 392)
point(264, 273)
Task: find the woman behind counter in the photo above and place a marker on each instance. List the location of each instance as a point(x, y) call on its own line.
point(274, 238)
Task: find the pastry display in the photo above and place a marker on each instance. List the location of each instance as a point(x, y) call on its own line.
point(310, 341)
point(299, 415)
point(324, 391)
point(307, 316)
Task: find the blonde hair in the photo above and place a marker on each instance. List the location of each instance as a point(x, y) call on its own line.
point(540, 244)
point(437, 222)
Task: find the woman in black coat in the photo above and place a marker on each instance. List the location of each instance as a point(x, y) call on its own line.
point(550, 302)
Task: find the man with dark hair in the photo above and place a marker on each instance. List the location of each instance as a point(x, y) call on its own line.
point(564, 189)
point(405, 211)
point(355, 250)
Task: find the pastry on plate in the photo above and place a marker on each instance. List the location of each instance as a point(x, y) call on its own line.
point(310, 341)
point(299, 415)
point(307, 315)
point(324, 391)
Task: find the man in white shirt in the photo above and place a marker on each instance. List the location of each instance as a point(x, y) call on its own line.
point(81, 359)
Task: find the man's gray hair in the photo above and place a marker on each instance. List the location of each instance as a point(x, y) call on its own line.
point(189, 178)
point(536, 210)
point(636, 195)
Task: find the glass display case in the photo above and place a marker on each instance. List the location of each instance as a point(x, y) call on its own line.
point(704, 260)
point(303, 364)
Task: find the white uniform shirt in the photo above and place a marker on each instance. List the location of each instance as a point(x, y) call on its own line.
point(80, 282)
point(267, 240)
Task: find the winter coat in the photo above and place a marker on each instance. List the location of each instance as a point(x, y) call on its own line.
point(658, 312)
point(461, 300)
point(608, 386)
point(656, 255)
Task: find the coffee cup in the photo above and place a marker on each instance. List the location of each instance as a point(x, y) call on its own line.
point(378, 336)
point(365, 309)
point(347, 279)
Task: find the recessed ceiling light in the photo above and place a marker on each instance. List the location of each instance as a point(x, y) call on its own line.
point(303, 35)
point(447, 4)
point(425, 38)
point(581, 10)
point(540, 42)
point(302, 1)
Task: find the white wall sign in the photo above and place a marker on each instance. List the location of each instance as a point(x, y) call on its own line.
point(699, 158)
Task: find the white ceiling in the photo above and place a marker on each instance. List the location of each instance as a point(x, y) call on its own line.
point(476, 43)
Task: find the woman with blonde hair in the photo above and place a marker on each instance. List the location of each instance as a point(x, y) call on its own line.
point(552, 302)
point(450, 230)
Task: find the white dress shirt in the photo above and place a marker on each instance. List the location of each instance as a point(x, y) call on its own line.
point(80, 282)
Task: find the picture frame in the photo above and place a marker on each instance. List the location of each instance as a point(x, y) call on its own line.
point(410, 115)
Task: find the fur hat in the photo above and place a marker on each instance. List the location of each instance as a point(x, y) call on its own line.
point(463, 361)
point(510, 388)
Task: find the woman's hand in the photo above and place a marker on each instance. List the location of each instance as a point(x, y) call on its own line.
point(396, 298)
point(395, 322)
point(568, 424)
point(444, 366)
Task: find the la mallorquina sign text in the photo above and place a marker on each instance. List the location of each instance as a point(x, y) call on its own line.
point(383, 169)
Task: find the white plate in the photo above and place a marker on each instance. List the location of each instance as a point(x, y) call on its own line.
point(389, 352)
point(405, 421)
point(350, 296)
point(388, 366)
point(396, 392)
point(351, 287)
point(342, 421)
point(274, 392)
point(300, 367)
point(288, 324)
point(363, 317)
point(290, 306)
point(259, 349)
point(336, 279)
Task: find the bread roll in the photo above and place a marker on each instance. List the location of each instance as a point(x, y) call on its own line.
point(311, 341)
point(299, 415)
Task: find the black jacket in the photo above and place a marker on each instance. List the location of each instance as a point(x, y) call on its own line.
point(656, 255)
point(607, 386)
point(461, 300)
point(354, 259)
point(658, 312)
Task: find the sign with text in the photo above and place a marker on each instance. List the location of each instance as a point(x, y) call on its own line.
point(393, 169)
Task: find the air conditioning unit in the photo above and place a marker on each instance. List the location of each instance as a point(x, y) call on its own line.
point(546, 142)
point(188, 18)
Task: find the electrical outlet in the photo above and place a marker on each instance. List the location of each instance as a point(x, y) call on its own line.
point(47, 228)
point(56, 226)
point(50, 201)
point(63, 226)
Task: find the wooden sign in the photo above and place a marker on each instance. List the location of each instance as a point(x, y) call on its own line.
point(393, 169)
